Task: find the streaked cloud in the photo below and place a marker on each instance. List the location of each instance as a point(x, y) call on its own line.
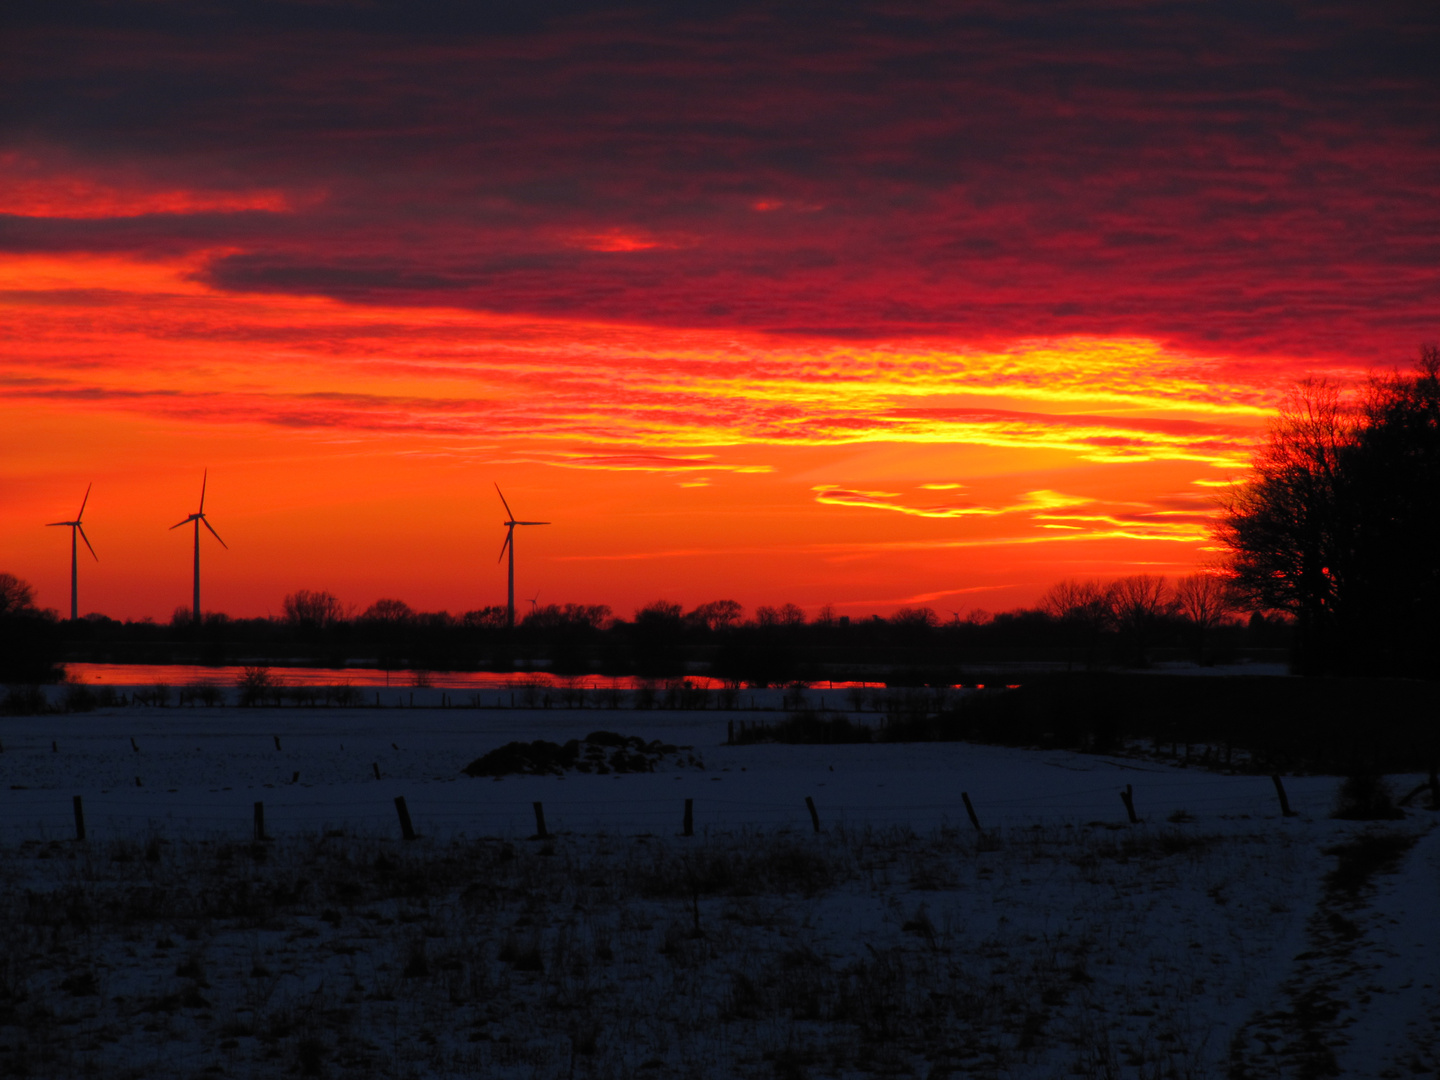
point(1017, 275)
point(32, 189)
point(1029, 502)
point(655, 463)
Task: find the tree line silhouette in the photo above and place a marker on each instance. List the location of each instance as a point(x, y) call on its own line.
point(1129, 621)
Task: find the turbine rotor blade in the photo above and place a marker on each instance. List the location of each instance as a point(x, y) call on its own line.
point(203, 481)
point(213, 532)
point(87, 541)
point(50, 523)
point(83, 501)
point(532, 523)
point(506, 544)
point(185, 522)
point(503, 502)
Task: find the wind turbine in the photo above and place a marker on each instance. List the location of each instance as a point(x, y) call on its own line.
point(76, 527)
point(510, 543)
point(199, 518)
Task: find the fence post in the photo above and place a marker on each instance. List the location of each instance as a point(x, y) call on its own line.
point(689, 817)
point(277, 741)
point(376, 766)
point(729, 732)
point(260, 822)
point(406, 829)
point(133, 745)
point(540, 821)
point(1128, 798)
point(814, 814)
point(295, 779)
point(1285, 810)
point(970, 809)
point(79, 819)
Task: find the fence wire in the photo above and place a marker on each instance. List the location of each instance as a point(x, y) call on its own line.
point(49, 815)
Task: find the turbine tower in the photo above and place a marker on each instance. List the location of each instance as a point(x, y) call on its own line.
point(76, 527)
point(199, 518)
point(510, 544)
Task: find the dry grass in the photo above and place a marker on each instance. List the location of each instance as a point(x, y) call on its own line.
point(873, 951)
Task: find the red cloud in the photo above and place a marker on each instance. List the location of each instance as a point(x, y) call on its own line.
point(981, 173)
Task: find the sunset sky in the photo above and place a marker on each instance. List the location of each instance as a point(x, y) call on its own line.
point(868, 305)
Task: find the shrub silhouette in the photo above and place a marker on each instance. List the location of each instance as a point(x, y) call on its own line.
point(1366, 797)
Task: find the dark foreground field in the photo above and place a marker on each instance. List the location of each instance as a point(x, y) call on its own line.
point(1215, 937)
point(1058, 950)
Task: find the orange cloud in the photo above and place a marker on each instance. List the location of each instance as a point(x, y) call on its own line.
point(653, 463)
point(1030, 502)
point(386, 418)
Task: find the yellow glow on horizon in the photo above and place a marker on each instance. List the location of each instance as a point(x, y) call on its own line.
point(654, 446)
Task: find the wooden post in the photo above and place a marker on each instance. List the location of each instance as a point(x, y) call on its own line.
point(814, 814)
point(79, 819)
point(689, 828)
point(133, 745)
point(729, 732)
point(54, 747)
point(1128, 798)
point(540, 821)
point(376, 766)
point(137, 782)
point(1285, 810)
point(277, 741)
point(260, 822)
point(412, 699)
point(377, 699)
point(295, 779)
point(970, 809)
point(406, 829)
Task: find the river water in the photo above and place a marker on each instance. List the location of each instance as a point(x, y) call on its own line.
point(176, 675)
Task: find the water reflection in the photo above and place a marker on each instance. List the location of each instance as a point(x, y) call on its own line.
point(229, 675)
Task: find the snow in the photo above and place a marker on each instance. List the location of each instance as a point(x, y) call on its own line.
point(1394, 1018)
point(1063, 940)
point(201, 770)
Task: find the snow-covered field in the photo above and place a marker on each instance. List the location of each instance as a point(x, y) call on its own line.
point(1207, 940)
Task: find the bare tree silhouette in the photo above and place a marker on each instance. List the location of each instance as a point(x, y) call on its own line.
point(1205, 601)
point(29, 641)
point(716, 615)
point(313, 609)
point(1084, 611)
point(1140, 602)
point(1337, 523)
point(388, 611)
point(15, 595)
